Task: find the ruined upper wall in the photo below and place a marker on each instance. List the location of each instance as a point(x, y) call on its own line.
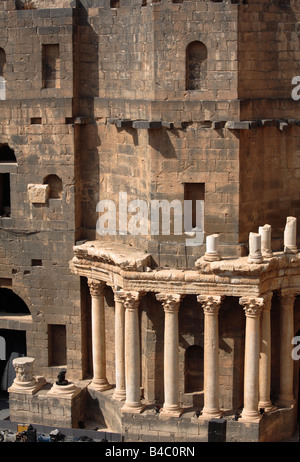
point(269, 52)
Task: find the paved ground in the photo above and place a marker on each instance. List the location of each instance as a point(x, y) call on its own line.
point(4, 414)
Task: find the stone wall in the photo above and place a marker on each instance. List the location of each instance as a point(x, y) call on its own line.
point(33, 124)
point(42, 409)
point(269, 175)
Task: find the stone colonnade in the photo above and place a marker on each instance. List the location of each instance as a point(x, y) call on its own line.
point(257, 361)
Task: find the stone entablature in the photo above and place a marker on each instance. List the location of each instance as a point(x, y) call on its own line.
point(227, 277)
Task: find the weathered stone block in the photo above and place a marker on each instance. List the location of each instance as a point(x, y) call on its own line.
point(38, 193)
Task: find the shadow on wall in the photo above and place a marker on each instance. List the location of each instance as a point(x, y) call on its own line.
point(87, 141)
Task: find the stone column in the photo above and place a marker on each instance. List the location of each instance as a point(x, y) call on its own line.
point(255, 255)
point(212, 248)
point(99, 381)
point(120, 390)
point(265, 356)
point(171, 354)
point(290, 235)
point(211, 306)
point(265, 232)
point(253, 308)
point(286, 397)
point(131, 302)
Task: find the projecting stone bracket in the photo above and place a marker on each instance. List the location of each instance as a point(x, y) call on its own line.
point(38, 193)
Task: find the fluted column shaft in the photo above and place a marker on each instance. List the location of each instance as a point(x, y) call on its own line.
point(253, 308)
point(171, 304)
point(211, 306)
point(131, 302)
point(265, 356)
point(99, 381)
point(286, 396)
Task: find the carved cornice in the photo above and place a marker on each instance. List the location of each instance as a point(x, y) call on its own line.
point(210, 303)
point(252, 306)
point(170, 302)
point(96, 287)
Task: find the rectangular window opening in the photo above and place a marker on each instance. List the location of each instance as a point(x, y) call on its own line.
point(36, 262)
point(57, 345)
point(36, 121)
point(115, 3)
point(51, 66)
point(5, 207)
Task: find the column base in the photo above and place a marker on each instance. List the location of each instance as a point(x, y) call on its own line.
point(100, 385)
point(169, 411)
point(208, 414)
point(282, 402)
point(212, 256)
point(255, 259)
point(267, 253)
point(291, 249)
point(250, 416)
point(27, 388)
point(133, 408)
point(267, 406)
point(119, 395)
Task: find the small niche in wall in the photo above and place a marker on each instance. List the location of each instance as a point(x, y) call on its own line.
point(57, 345)
point(50, 66)
point(36, 120)
point(5, 205)
point(36, 262)
point(115, 3)
point(56, 186)
point(196, 66)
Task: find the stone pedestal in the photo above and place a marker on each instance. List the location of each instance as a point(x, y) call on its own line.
point(64, 391)
point(25, 382)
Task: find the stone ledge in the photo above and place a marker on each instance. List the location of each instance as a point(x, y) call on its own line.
point(125, 257)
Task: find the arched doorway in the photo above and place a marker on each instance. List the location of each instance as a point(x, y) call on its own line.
point(13, 340)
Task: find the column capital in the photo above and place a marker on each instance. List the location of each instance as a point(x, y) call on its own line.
point(252, 306)
point(287, 296)
point(96, 287)
point(210, 303)
point(170, 302)
point(267, 298)
point(130, 299)
point(118, 293)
